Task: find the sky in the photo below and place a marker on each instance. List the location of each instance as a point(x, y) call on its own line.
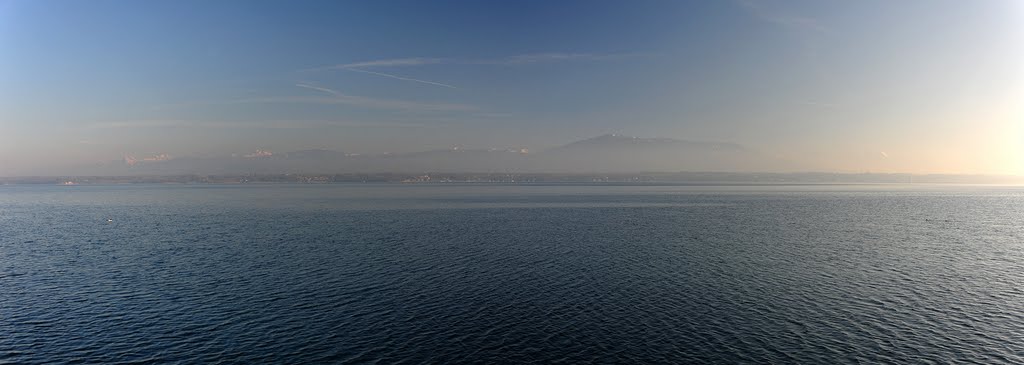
point(919, 86)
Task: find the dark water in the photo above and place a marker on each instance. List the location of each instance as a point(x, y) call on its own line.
point(431, 274)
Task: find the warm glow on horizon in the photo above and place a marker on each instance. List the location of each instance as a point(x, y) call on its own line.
point(903, 87)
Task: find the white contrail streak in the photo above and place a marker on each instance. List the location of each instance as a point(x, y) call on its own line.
point(400, 77)
point(324, 89)
point(371, 102)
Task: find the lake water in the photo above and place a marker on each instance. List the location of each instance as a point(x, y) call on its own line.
point(491, 273)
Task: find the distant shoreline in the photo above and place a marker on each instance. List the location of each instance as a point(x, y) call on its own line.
point(678, 178)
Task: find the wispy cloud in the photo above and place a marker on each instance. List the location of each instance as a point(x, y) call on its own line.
point(781, 18)
point(142, 124)
point(416, 61)
point(322, 89)
point(400, 77)
point(510, 60)
point(275, 124)
point(554, 57)
point(523, 59)
point(398, 62)
point(340, 98)
point(333, 97)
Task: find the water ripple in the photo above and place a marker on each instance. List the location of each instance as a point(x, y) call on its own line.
point(657, 276)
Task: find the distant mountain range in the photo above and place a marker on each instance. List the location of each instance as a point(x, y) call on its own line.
point(620, 141)
point(616, 153)
point(606, 153)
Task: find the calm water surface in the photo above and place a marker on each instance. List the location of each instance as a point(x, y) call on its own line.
point(485, 274)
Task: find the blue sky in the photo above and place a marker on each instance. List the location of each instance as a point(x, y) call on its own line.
point(915, 86)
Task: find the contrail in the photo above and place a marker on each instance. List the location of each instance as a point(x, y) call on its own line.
point(416, 61)
point(400, 77)
point(324, 89)
point(383, 103)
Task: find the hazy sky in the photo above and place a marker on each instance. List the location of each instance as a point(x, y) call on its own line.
point(853, 86)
